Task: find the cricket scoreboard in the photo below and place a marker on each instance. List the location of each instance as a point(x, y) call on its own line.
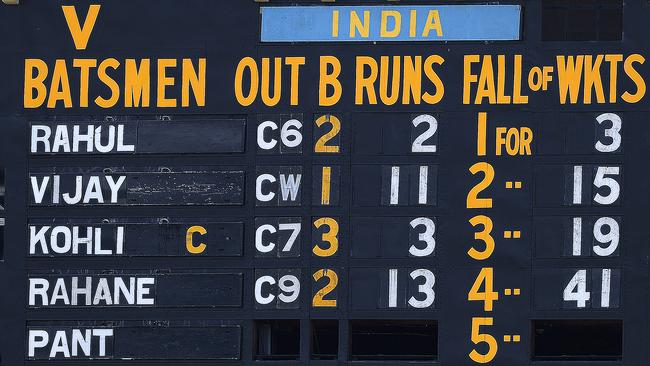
point(324, 183)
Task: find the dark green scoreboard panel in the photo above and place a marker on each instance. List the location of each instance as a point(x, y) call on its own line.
point(287, 183)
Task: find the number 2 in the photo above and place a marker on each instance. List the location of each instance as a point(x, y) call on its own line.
point(319, 298)
point(418, 143)
point(321, 146)
point(488, 176)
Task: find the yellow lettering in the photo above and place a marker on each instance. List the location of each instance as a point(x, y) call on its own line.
point(137, 84)
point(517, 97)
point(189, 242)
point(397, 17)
point(357, 26)
point(84, 66)
point(195, 80)
point(60, 87)
point(386, 98)
point(412, 80)
point(569, 73)
point(432, 23)
point(335, 23)
point(277, 81)
point(34, 83)
point(294, 64)
point(413, 23)
point(468, 77)
point(502, 98)
point(251, 65)
point(108, 81)
point(485, 86)
point(434, 78)
point(613, 75)
point(328, 79)
point(633, 74)
point(592, 79)
point(164, 81)
point(80, 35)
point(363, 82)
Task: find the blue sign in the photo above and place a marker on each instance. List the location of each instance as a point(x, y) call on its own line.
point(390, 23)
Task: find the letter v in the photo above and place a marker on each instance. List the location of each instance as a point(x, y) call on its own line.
point(80, 35)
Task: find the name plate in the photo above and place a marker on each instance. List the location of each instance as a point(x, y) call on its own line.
point(390, 23)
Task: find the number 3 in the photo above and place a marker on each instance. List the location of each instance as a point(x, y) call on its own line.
point(426, 288)
point(613, 132)
point(483, 235)
point(330, 236)
point(426, 237)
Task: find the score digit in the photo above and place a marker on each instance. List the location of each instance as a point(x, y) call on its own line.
point(483, 235)
point(321, 144)
point(473, 201)
point(478, 338)
point(485, 279)
point(426, 237)
point(613, 133)
point(330, 236)
point(319, 300)
point(418, 145)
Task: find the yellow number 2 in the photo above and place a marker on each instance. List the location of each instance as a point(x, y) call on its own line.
point(488, 176)
point(321, 146)
point(319, 298)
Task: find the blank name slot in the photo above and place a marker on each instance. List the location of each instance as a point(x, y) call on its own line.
point(399, 340)
point(577, 340)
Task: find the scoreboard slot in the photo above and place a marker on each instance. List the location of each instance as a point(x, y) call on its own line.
point(393, 237)
point(2, 238)
point(67, 237)
point(395, 134)
point(581, 133)
point(277, 339)
point(324, 339)
point(577, 340)
point(2, 189)
point(394, 185)
point(92, 288)
point(207, 135)
point(133, 340)
point(578, 236)
point(136, 186)
point(578, 185)
point(393, 340)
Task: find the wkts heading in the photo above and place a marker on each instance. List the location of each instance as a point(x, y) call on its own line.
point(366, 80)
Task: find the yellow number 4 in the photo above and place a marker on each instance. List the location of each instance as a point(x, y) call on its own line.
point(485, 279)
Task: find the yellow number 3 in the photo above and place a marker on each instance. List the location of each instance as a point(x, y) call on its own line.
point(330, 236)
